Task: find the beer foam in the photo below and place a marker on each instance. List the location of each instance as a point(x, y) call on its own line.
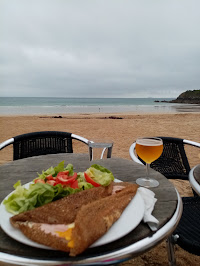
point(149, 142)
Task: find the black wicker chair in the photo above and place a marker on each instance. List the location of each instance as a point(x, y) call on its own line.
point(173, 164)
point(41, 143)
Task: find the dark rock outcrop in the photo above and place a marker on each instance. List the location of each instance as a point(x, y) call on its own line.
point(163, 101)
point(191, 97)
point(114, 117)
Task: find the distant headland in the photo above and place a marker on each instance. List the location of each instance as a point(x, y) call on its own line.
point(190, 97)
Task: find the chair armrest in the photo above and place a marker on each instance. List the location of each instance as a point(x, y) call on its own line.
point(193, 143)
point(132, 154)
point(84, 140)
point(193, 182)
point(6, 143)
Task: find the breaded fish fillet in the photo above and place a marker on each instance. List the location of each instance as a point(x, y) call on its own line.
point(92, 219)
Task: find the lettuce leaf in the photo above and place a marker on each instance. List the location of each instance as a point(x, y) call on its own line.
point(82, 182)
point(23, 199)
point(70, 168)
point(100, 174)
point(55, 170)
point(49, 171)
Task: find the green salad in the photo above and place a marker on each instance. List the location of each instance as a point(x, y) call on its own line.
point(55, 183)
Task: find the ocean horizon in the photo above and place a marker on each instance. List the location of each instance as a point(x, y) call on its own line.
point(58, 105)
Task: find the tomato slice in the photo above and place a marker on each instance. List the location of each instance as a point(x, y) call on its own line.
point(74, 184)
point(91, 181)
point(63, 173)
point(64, 180)
point(50, 177)
point(51, 182)
point(39, 181)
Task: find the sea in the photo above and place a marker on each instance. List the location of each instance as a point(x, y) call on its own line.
point(61, 106)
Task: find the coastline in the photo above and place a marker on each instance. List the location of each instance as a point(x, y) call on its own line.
point(52, 111)
point(123, 128)
point(122, 106)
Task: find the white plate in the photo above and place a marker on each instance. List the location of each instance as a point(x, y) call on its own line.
point(128, 221)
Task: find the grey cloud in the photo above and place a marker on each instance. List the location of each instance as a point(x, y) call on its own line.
point(99, 48)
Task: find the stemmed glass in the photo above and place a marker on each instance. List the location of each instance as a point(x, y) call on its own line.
point(148, 149)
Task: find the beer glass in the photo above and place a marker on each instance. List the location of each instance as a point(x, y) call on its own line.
point(148, 149)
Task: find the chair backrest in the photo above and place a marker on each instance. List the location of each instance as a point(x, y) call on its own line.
point(41, 143)
point(173, 162)
point(188, 229)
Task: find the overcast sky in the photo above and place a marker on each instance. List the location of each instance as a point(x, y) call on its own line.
point(99, 48)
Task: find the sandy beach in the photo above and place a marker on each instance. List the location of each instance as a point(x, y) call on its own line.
point(123, 129)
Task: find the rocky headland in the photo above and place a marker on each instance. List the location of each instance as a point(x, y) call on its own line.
point(189, 97)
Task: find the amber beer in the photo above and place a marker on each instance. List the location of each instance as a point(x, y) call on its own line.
point(149, 149)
